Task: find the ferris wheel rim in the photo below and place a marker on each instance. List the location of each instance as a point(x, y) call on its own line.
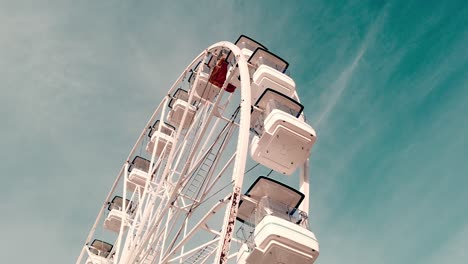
point(244, 124)
point(242, 139)
point(151, 222)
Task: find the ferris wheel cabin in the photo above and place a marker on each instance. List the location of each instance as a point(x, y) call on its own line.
point(99, 252)
point(178, 105)
point(137, 173)
point(161, 135)
point(199, 81)
point(117, 214)
point(283, 141)
point(280, 233)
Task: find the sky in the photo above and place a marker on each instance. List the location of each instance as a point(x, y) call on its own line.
point(384, 84)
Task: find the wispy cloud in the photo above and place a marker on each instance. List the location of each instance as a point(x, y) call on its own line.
point(79, 81)
point(335, 91)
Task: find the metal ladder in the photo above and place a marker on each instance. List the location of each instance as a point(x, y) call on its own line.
point(201, 255)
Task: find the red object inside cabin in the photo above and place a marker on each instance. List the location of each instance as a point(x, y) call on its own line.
point(218, 76)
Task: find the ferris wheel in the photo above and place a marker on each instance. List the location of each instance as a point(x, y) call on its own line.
point(232, 118)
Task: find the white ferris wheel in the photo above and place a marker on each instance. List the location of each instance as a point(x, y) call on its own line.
point(232, 117)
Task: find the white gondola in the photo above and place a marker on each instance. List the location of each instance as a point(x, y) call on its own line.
point(178, 104)
point(116, 215)
point(280, 232)
point(161, 135)
point(269, 73)
point(280, 241)
point(99, 252)
point(283, 141)
point(267, 77)
point(137, 173)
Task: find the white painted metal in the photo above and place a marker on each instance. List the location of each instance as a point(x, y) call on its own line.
point(285, 144)
point(267, 77)
point(304, 186)
point(161, 137)
point(187, 199)
point(178, 111)
point(280, 241)
point(114, 220)
point(136, 178)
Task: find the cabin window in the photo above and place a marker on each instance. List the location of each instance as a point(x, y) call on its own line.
point(139, 163)
point(100, 248)
point(165, 128)
point(268, 101)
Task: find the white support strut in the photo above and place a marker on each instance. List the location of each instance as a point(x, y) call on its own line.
point(181, 197)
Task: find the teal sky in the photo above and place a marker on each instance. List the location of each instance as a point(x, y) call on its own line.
point(385, 84)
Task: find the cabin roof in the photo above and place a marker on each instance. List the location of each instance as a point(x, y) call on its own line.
point(275, 190)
